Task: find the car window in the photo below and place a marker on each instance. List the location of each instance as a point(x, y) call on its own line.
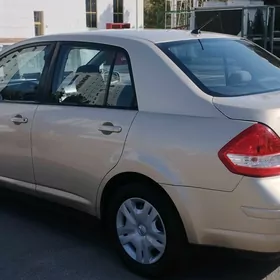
point(78, 57)
point(93, 77)
point(121, 90)
point(226, 67)
point(20, 73)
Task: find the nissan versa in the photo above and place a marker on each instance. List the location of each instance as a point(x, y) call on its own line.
point(170, 137)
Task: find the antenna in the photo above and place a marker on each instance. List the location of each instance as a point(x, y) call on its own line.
point(198, 30)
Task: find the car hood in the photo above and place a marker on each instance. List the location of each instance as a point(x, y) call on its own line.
point(263, 108)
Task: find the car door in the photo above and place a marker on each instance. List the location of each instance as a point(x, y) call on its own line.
point(78, 137)
point(21, 72)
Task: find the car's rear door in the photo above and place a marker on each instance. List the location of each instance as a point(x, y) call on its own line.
point(22, 72)
point(79, 134)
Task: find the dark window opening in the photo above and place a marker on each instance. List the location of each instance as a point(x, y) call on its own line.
point(38, 23)
point(91, 13)
point(118, 11)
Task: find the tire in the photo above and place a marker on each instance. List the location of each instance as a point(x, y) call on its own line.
point(160, 262)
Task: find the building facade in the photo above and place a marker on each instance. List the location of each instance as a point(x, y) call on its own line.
point(24, 19)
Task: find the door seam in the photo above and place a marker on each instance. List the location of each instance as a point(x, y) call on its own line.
point(98, 190)
point(31, 145)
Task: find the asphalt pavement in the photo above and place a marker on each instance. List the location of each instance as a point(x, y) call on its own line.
point(44, 241)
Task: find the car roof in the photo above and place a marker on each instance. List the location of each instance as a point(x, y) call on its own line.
point(152, 35)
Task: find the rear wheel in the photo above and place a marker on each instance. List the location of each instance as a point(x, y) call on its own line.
point(147, 230)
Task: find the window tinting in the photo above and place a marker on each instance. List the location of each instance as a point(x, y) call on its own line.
point(20, 73)
point(226, 67)
point(93, 77)
point(121, 91)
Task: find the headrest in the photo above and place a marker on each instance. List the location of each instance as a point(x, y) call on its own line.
point(239, 77)
point(88, 69)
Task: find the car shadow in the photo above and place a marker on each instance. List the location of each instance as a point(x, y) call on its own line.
point(212, 263)
point(82, 230)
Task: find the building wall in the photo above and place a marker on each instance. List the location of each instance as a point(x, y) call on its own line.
point(17, 20)
point(130, 12)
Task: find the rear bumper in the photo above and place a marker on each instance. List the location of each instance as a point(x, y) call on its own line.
point(247, 218)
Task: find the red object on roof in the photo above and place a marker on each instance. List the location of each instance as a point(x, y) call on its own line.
point(110, 25)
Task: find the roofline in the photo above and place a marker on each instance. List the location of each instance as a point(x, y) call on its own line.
point(98, 33)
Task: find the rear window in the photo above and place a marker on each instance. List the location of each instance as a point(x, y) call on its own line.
point(226, 67)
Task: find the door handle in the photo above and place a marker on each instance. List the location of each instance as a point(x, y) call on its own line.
point(18, 119)
point(108, 128)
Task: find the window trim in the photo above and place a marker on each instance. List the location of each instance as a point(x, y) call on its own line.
point(110, 79)
point(91, 13)
point(41, 92)
point(90, 45)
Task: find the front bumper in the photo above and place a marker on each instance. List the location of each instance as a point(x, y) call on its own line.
point(247, 218)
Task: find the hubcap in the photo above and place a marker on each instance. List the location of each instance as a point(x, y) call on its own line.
point(141, 231)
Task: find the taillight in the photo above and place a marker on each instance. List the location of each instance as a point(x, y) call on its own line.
point(254, 152)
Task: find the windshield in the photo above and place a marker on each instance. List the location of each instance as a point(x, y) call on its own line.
point(226, 67)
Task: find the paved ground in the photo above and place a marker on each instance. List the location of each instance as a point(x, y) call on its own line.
point(43, 241)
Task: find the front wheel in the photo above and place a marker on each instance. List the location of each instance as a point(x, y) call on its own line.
point(147, 230)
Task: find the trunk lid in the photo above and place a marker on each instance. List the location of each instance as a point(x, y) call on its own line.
point(263, 108)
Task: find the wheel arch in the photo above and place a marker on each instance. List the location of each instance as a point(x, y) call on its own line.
point(129, 177)
point(119, 180)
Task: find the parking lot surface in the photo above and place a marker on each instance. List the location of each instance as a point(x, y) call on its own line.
point(44, 241)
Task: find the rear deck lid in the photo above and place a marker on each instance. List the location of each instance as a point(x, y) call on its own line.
point(263, 108)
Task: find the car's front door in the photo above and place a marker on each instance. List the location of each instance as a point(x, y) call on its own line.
point(21, 72)
point(78, 137)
